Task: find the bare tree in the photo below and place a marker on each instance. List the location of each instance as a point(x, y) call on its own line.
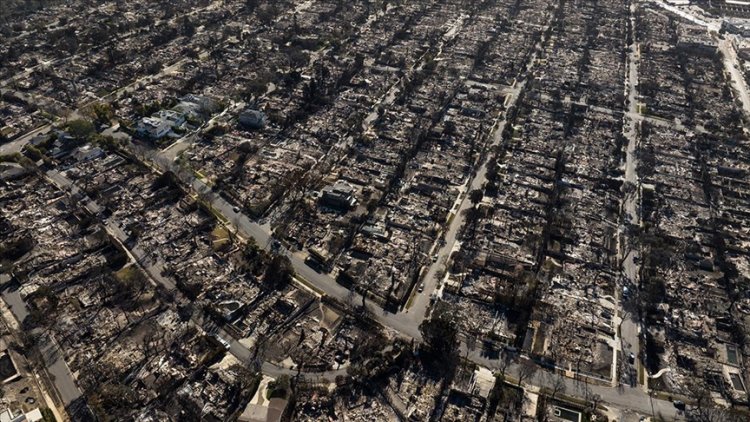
point(503, 363)
point(705, 409)
point(149, 343)
point(526, 371)
point(558, 385)
point(594, 401)
point(471, 336)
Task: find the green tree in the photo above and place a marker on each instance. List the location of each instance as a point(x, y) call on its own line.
point(449, 128)
point(267, 13)
point(100, 112)
point(279, 272)
point(81, 129)
point(187, 27)
point(279, 388)
point(47, 415)
point(476, 196)
point(440, 336)
point(33, 152)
